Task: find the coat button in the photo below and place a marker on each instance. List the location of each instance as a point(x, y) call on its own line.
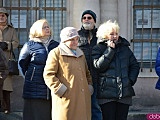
point(82, 90)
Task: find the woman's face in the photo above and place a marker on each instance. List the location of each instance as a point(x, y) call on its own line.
point(46, 29)
point(72, 43)
point(113, 35)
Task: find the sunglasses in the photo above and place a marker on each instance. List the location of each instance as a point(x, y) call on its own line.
point(89, 18)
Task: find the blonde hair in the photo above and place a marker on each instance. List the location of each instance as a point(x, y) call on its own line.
point(107, 27)
point(36, 29)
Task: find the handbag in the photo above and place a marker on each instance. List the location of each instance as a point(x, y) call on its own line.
point(13, 63)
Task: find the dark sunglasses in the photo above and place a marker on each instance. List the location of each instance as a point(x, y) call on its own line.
point(89, 18)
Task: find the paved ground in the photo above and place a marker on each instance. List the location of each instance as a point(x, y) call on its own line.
point(18, 116)
point(11, 116)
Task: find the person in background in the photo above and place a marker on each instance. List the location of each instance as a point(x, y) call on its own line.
point(86, 41)
point(3, 73)
point(157, 69)
point(118, 71)
point(32, 60)
point(67, 75)
point(7, 36)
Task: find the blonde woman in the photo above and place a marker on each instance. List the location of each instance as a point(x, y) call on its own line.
point(32, 59)
point(67, 75)
point(118, 72)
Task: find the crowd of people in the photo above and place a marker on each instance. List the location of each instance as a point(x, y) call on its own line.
point(88, 75)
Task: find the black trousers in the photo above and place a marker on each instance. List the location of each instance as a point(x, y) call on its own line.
point(6, 105)
point(114, 111)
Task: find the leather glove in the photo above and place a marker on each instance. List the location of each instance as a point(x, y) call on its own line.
point(3, 46)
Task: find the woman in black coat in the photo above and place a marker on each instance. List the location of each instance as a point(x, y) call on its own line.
point(118, 72)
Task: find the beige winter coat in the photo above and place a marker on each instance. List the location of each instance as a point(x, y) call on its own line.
point(8, 34)
point(70, 82)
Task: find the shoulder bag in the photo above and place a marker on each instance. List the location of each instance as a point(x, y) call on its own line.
point(12, 63)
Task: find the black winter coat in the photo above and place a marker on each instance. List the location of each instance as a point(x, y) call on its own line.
point(32, 60)
point(118, 70)
point(87, 49)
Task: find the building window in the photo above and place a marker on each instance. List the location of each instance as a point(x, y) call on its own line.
point(146, 31)
point(23, 13)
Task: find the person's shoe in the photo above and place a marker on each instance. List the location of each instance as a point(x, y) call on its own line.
point(6, 111)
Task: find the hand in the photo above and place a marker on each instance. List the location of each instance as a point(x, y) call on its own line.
point(3, 46)
point(91, 89)
point(111, 43)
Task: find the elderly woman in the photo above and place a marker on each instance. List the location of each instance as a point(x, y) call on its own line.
point(67, 75)
point(118, 72)
point(32, 60)
point(8, 35)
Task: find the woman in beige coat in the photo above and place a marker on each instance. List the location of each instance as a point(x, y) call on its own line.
point(68, 77)
point(7, 36)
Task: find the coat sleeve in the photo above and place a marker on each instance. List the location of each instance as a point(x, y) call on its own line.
point(24, 59)
point(88, 75)
point(89, 78)
point(157, 65)
point(15, 40)
point(133, 68)
point(50, 72)
point(102, 59)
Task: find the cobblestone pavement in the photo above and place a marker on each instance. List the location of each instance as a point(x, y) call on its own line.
point(11, 116)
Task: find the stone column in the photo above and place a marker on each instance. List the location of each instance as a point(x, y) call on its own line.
point(124, 18)
point(108, 10)
point(76, 9)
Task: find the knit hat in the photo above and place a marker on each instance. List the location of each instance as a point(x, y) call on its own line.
point(91, 13)
point(68, 33)
point(3, 10)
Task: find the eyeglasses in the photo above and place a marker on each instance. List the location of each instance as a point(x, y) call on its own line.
point(45, 27)
point(89, 18)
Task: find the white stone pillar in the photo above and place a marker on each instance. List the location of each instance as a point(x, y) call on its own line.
point(76, 9)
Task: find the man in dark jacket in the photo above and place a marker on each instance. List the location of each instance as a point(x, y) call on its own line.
point(87, 40)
